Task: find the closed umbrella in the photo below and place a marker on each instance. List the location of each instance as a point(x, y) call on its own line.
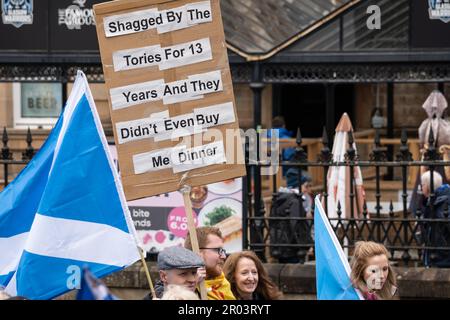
point(339, 176)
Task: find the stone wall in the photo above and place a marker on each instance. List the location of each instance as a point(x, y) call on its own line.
point(6, 105)
point(408, 101)
point(243, 94)
point(244, 105)
point(296, 281)
point(413, 283)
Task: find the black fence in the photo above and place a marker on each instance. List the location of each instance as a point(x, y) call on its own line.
point(420, 238)
point(8, 156)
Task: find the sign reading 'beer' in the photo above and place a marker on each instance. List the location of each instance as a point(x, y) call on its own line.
point(170, 94)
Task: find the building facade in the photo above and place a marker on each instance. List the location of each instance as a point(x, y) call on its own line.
point(309, 61)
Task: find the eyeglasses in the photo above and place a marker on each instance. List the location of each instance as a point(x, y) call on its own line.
point(220, 251)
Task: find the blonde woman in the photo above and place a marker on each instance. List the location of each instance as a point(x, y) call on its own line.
point(371, 272)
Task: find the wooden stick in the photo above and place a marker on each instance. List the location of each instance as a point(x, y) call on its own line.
point(147, 273)
point(193, 232)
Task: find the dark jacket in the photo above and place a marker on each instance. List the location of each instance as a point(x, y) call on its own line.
point(255, 296)
point(159, 291)
point(437, 234)
point(442, 196)
point(289, 231)
point(258, 297)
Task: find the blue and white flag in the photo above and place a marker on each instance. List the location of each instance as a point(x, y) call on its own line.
point(66, 209)
point(19, 202)
point(93, 288)
point(332, 268)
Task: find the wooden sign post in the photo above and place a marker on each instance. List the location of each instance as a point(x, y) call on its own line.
point(186, 190)
point(171, 96)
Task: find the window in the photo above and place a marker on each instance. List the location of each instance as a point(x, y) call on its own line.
point(36, 105)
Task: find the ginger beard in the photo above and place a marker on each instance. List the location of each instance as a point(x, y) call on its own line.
point(213, 260)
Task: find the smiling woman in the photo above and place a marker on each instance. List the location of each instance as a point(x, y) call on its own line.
point(248, 278)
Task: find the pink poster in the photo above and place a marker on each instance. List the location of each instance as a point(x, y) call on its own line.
point(160, 221)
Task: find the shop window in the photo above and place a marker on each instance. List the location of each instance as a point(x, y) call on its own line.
point(36, 105)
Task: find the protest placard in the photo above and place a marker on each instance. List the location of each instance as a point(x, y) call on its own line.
point(170, 94)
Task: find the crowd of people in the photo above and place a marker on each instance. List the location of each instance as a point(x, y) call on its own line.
point(242, 276)
point(434, 203)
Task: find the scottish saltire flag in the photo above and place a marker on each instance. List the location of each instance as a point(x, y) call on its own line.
point(93, 289)
point(332, 268)
point(19, 202)
point(66, 209)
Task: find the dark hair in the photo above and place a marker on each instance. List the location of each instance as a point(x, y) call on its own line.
point(292, 177)
point(278, 122)
point(202, 236)
point(266, 289)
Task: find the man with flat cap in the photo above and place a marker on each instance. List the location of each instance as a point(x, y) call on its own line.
point(178, 266)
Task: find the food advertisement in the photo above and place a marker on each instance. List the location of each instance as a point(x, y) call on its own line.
point(161, 221)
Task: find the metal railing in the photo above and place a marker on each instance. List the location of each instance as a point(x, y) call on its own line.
point(9, 158)
point(410, 237)
point(421, 237)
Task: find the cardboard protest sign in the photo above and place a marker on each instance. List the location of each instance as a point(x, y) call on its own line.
point(161, 221)
point(170, 94)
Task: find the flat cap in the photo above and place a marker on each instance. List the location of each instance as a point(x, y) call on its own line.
point(178, 258)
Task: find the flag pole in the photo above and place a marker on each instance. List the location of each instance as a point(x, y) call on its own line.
point(186, 190)
point(147, 273)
